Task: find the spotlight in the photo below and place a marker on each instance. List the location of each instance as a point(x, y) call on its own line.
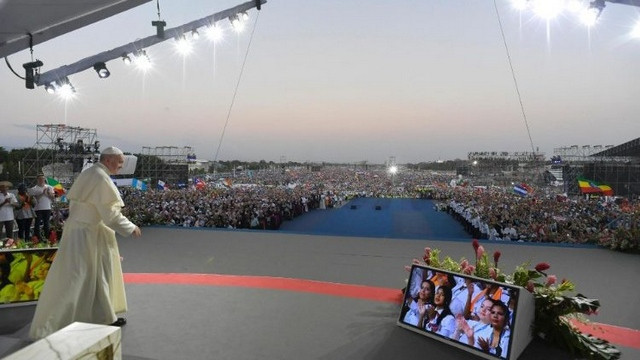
point(183, 45)
point(51, 88)
point(214, 33)
point(235, 22)
point(547, 9)
point(195, 35)
point(591, 14)
point(65, 89)
point(244, 16)
point(96, 146)
point(142, 61)
point(101, 69)
point(126, 59)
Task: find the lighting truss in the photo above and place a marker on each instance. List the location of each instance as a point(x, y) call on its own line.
point(50, 78)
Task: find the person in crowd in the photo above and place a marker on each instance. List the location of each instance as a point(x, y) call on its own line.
point(495, 340)
point(490, 291)
point(464, 290)
point(8, 203)
point(439, 318)
point(417, 307)
point(85, 281)
point(24, 212)
point(44, 196)
point(466, 329)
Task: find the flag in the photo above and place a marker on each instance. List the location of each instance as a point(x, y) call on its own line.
point(199, 184)
point(592, 187)
point(138, 184)
point(518, 189)
point(522, 189)
point(227, 182)
point(162, 185)
point(57, 187)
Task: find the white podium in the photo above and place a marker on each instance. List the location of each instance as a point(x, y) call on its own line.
point(76, 341)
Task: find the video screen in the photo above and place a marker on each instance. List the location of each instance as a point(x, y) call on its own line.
point(22, 273)
point(476, 313)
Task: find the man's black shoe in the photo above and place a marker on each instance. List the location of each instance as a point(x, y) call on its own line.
point(119, 322)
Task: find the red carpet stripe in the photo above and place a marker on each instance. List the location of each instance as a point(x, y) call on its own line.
point(614, 334)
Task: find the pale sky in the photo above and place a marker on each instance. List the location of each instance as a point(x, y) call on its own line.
point(346, 81)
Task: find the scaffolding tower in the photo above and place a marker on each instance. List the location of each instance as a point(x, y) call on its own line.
point(167, 163)
point(61, 152)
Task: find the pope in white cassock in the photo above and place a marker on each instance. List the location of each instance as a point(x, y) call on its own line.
point(85, 280)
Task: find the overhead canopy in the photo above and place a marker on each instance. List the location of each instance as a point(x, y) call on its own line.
point(47, 19)
point(628, 149)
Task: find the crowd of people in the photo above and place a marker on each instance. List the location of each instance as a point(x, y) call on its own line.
point(499, 214)
point(264, 199)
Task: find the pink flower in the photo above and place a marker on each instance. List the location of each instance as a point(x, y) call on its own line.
point(542, 267)
point(9, 242)
point(551, 279)
point(496, 257)
point(469, 269)
point(475, 245)
point(464, 264)
point(407, 268)
point(427, 255)
point(480, 251)
point(530, 286)
point(416, 261)
point(493, 274)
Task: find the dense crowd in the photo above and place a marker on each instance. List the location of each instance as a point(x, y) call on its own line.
point(263, 200)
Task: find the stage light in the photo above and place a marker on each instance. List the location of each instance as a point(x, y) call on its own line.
point(244, 16)
point(102, 70)
point(65, 89)
point(547, 9)
point(51, 88)
point(393, 169)
point(591, 14)
point(195, 35)
point(236, 23)
point(183, 45)
point(142, 61)
point(130, 52)
point(214, 33)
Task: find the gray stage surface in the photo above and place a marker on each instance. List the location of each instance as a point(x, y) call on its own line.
point(210, 322)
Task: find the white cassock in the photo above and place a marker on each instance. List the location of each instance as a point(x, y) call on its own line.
point(85, 280)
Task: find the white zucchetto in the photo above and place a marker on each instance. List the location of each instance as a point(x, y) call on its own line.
point(112, 150)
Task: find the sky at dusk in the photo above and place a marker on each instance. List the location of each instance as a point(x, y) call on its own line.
point(346, 81)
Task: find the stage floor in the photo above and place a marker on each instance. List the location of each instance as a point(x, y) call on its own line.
point(240, 309)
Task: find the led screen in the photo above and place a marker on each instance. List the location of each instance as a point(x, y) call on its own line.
point(473, 313)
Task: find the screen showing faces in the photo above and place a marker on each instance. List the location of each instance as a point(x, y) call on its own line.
point(476, 313)
point(22, 274)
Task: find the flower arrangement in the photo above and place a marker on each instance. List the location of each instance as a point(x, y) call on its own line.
point(554, 308)
point(34, 243)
